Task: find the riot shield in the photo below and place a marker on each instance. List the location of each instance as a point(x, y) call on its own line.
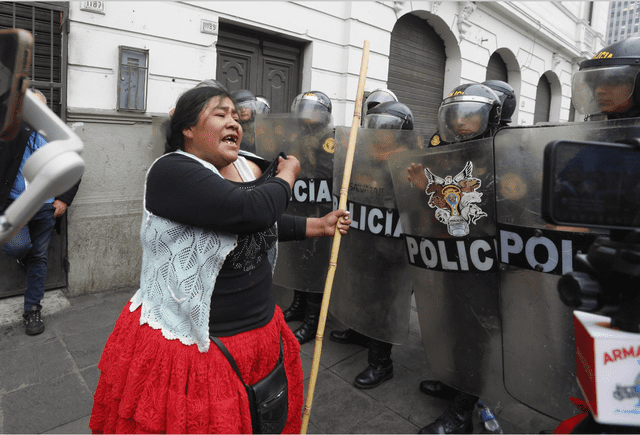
point(301, 265)
point(446, 198)
point(538, 331)
point(372, 286)
point(248, 142)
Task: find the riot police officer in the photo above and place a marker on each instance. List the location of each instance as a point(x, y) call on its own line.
point(245, 103)
point(507, 96)
point(463, 115)
point(383, 269)
point(263, 107)
point(313, 110)
point(607, 85)
point(469, 112)
point(380, 95)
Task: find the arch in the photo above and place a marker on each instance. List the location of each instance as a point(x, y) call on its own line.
point(514, 77)
point(417, 65)
point(548, 98)
point(452, 51)
point(556, 96)
point(497, 68)
point(543, 101)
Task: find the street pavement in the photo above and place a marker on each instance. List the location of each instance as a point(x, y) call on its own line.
point(47, 381)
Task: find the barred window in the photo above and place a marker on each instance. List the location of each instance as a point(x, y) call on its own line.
point(132, 83)
point(47, 22)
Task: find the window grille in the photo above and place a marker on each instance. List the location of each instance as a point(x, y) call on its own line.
point(47, 23)
point(133, 78)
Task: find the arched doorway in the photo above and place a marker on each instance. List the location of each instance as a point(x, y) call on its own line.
point(543, 101)
point(497, 68)
point(416, 70)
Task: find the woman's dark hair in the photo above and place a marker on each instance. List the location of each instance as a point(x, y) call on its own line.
point(187, 113)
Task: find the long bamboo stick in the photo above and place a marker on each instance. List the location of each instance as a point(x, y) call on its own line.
point(336, 240)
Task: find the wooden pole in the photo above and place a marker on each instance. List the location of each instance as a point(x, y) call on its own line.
point(336, 240)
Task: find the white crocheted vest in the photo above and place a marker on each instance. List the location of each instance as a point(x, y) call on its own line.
point(180, 264)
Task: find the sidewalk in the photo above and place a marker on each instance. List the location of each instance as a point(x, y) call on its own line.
point(47, 381)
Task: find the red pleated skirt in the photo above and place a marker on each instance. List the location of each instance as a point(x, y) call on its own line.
point(149, 384)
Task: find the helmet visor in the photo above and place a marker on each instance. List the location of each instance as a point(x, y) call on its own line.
point(607, 90)
point(262, 107)
point(311, 111)
point(383, 121)
point(459, 121)
point(246, 110)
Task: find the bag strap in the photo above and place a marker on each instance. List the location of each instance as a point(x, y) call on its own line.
point(234, 366)
point(226, 353)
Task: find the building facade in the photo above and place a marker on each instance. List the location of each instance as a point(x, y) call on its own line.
point(623, 21)
point(120, 66)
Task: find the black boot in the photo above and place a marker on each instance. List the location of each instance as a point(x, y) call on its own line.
point(296, 309)
point(380, 366)
point(457, 418)
point(438, 389)
point(309, 326)
point(349, 336)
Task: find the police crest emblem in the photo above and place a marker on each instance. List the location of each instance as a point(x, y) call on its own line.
point(455, 199)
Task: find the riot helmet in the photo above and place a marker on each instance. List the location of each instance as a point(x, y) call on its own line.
point(378, 96)
point(608, 83)
point(389, 115)
point(469, 111)
point(313, 108)
point(507, 96)
point(213, 83)
point(245, 103)
point(262, 105)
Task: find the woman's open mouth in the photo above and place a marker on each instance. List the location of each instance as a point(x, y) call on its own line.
point(231, 139)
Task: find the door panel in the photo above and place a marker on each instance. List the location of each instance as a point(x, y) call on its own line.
point(264, 65)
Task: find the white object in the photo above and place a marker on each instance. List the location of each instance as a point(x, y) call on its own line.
point(608, 369)
point(51, 170)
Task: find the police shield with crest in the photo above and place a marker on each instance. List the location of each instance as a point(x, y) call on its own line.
point(372, 288)
point(446, 197)
point(306, 132)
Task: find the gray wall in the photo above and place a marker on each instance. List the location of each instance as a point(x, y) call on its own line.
point(104, 220)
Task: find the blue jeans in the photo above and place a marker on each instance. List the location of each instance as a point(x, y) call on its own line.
point(31, 244)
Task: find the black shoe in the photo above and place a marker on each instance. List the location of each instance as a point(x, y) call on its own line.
point(305, 333)
point(33, 322)
point(309, 327)
point(373, 376)
point(438, 389)
point(349, 336)
point(297, 307)
point(457, 418)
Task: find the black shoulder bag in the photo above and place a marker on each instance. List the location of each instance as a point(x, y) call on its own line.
point(268, 398)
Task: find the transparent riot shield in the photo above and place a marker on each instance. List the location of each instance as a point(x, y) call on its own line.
point(248, 142)
point(446, 198)
point(372, 287)
point(301, 265)
point(538, 331)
